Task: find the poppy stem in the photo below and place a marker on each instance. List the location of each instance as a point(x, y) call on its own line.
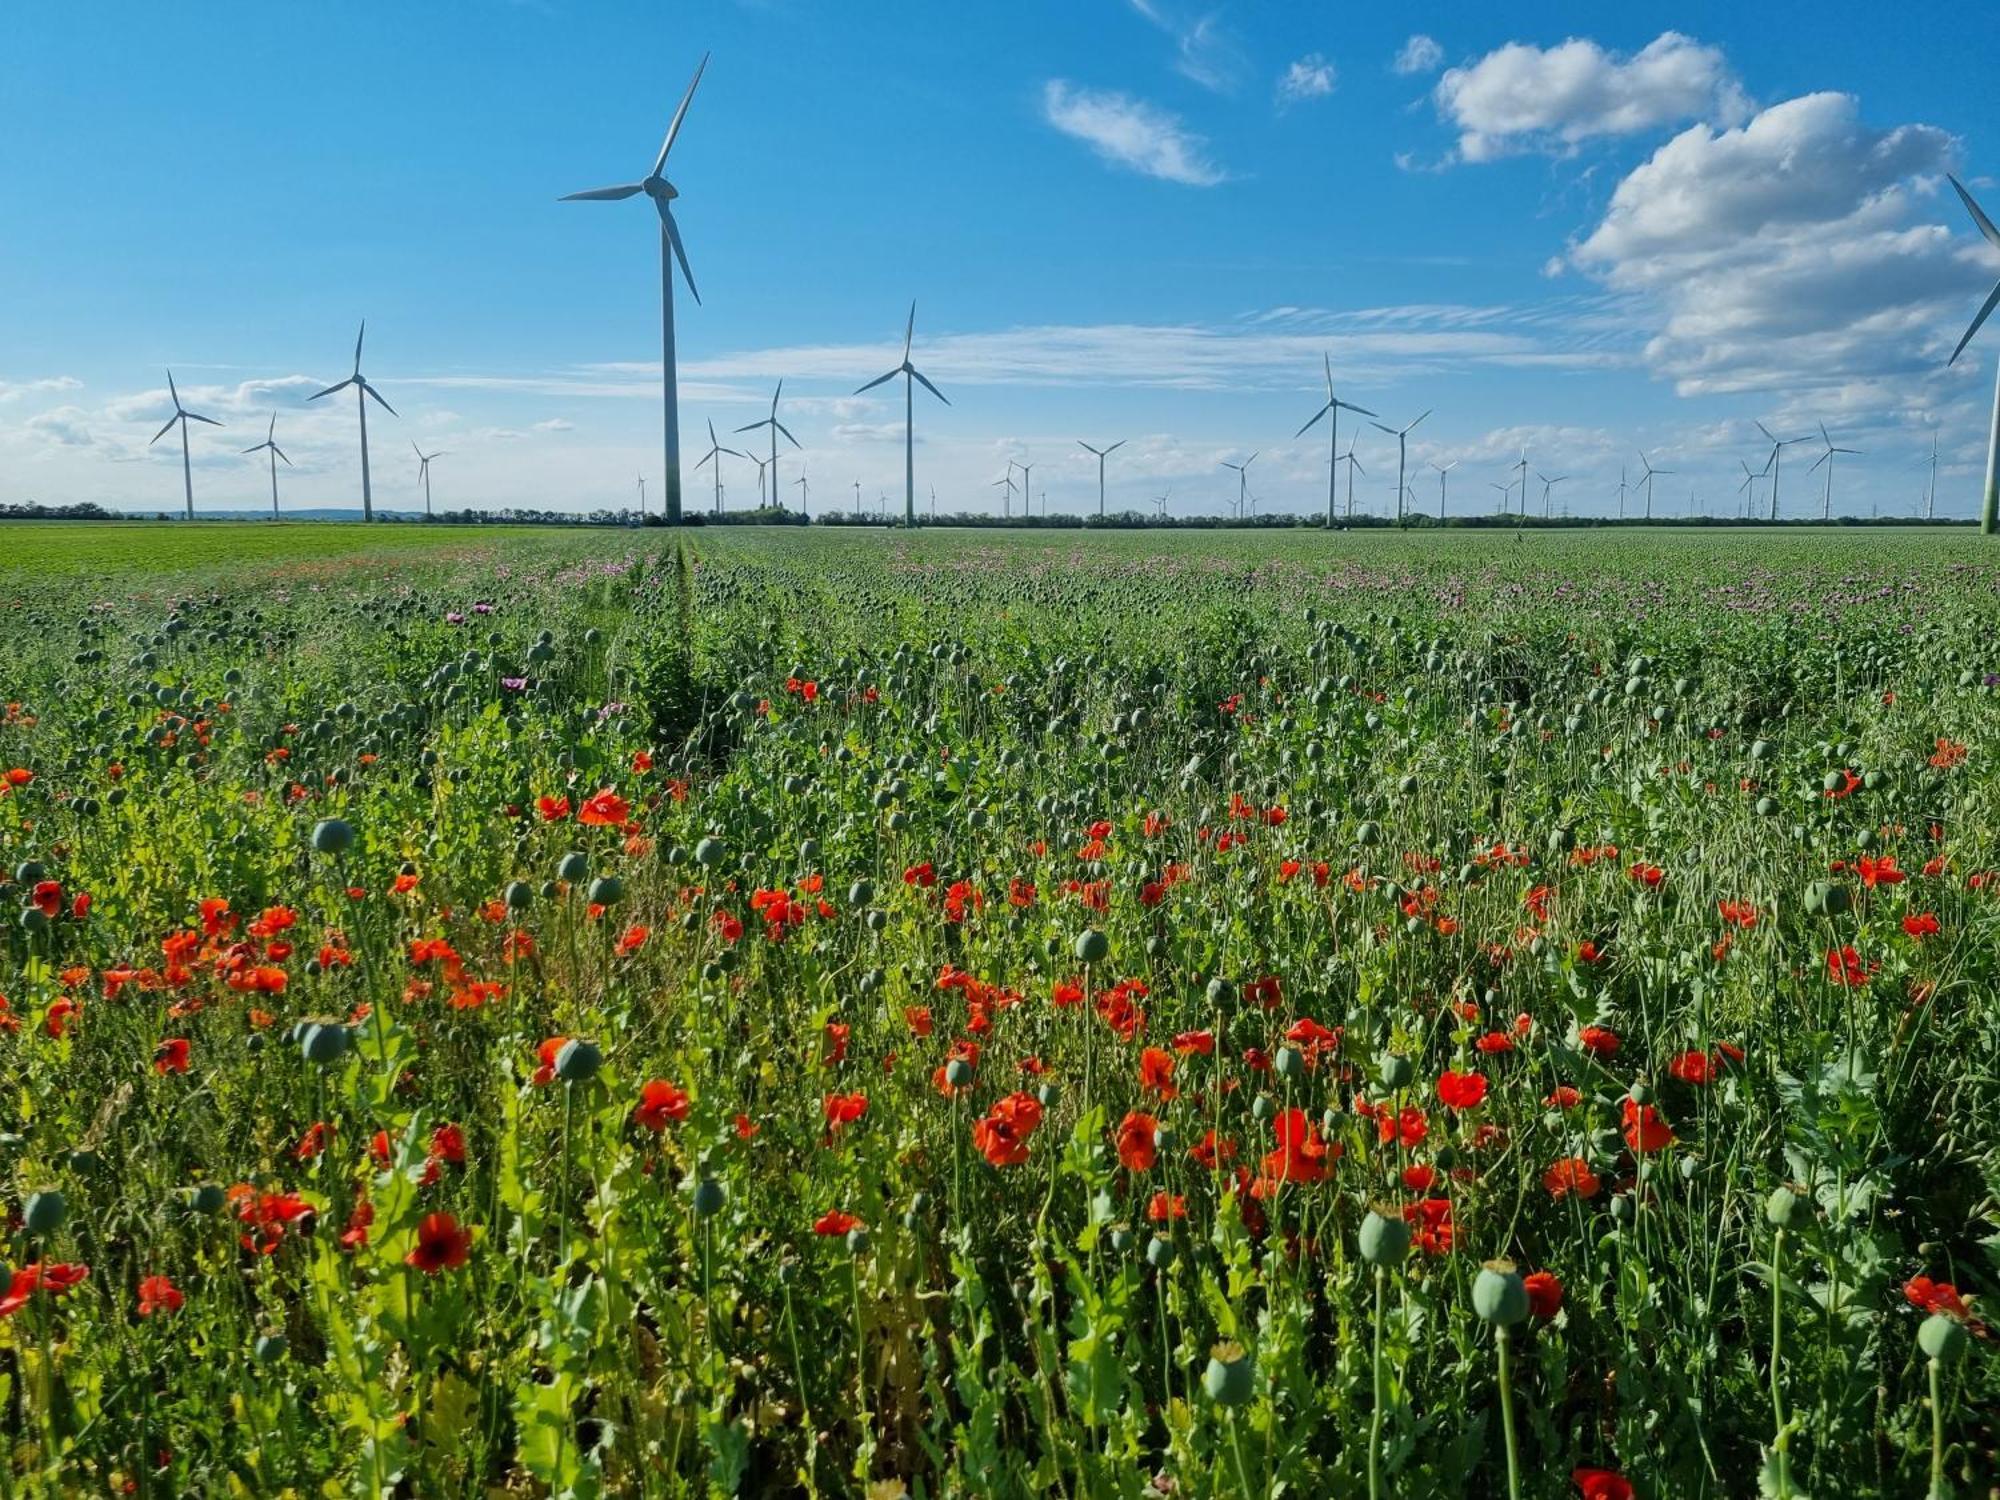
point(1375, 1417)
point(1507, 1412)
point(1937, 1490)
point(1236, 1445)
point(1780, 1444)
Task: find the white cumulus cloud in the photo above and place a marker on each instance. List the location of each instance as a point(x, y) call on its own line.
point(1420, 54)
point(1311, 77)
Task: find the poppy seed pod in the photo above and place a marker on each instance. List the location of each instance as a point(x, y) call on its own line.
point(1385, 1238)
point(1942, 1337)
point(1161, 1252)
point(333, 836)
point(44, 1212)
point(1231, 1376)
point(958, 1073)
point(606, 890)
point(573, 867)
point(578, 1061)
point(1784, 1208)
point(857, 1241)
point(708, 853)
point(324, 1043)
point(1498, 1293)
point(1220, 991)
point(709, 1197)
point(1290, 1063)
point(208, 1198)
point(1397, 1071)
point(519, 895)
point(1092, 946)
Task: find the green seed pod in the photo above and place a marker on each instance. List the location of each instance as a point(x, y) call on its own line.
point(578, 1061)
point(1767, 807)
point(708, 853)
point(1290, 1063)
point(1368, 835)
point(606, 890)
point(958, 1073)
point(208, 1198)
point(857, 1241)
point(1829, 898)
point(1784, 1208)
point(1396, 1071)
point(519, 895)
point(44, 1212)
point(1220, 991)
point(860, 893)
point(573, 867)
point(269, 1348)
point(1092, 946)
point(333, 836)
point(709, 1197)
point(1498, 1293)
point(1231, 1376)
point(1161, 1252)
point(1942, 1337)
point(325, 1043)
point(1385, 1237)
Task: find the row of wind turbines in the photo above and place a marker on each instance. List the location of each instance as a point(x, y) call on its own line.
point(660, 190)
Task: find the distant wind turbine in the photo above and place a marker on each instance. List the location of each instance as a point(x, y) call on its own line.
point(362, 391)
point(1352, 463)
point(776, 427)
point(1506, 495)
point(1826, 503)
point(1006, 500)
point(1242, 483)
point(270, 444)
point(714, 455)
point(1027, 499)
point(1989, 509)
point(1647, 480)
point(1549, 482)
point(1930, 485)
point(763, 467)
point(1333, 408)
point(1778, 447)
point(424, 473)
point(1523, 481)
point(663, 193)
point(1402, 437)
point(1442, 470)
point(805, 491)
point(1748, 488)
point(642, 497)
point(1160, 504)
point(1622, 487)
point(910, 374)
point(1102, 454)
point(183, 416)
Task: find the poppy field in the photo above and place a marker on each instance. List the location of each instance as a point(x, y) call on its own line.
point(772, 1013)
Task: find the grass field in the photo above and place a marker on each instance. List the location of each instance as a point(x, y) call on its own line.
point(779, 1012)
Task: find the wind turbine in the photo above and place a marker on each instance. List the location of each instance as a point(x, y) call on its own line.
point(362, 391)
point(277, 453)
point(1402, 437)
point(1826, 504)
point(1160, 504)
point(1006, 500)
point(1748, 487)
point(1622, 487)
point(1778, 447)
point(763, 465)
point(1523, 481)
point(715, 450)
point(1027, 499)
point(1102, 454)
point(1930, 485)
point(776, 427)
point(1352, 463)
point(1333, 408)
point(1506, 495)
point(805, 491)
point(424, 473)
point(1242, 482)
point(1989, 509)
point(1647, 480)
point(910, 374)
point(663, 193)
point(183, 416)
point(1442, 470)
point(933, 498)
point(1548, 484)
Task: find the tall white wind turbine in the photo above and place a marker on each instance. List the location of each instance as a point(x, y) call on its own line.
point(1778, 447)
point(714, 456)
point(1352, 463)
point(911, 374)
point(1442, 470)
point(1102, 454)
point(663, 193)
point(424, 473)
point(1402, 437)
point(1007, 499)
point(183, 416)
point(1647, 480)
point(1242, 483)
point(1333, 408)
point(776, 427)
point(1826, 503)
point(270, 443)
point(1989, 505)
point(1549, 482)
point(362, 391)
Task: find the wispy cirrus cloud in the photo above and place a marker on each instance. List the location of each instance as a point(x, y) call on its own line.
point(1131, 133)
point(1309, 77)
point(1420, 54)
point(1205, 50)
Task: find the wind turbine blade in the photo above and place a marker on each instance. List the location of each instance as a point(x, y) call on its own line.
point(1823, 437)
point(166, 429)
point(680, 250)
point(732, 452)
point(752, 427)
point(702, 463)
point(878, 380)
point(787, 432)
point(1356, 463)
point(1359, 410)
point(711, 432)
point(1085, 446)
point(928, 386)
point(370, 390)
point(1413, 425)
point(1767, 433)
point(196, 417)
point(331, 389)
point(1315, 420)
point(1380, 428)
point(909, 330)
point(1978, 214)
point(680, 114)
point(1820, 460)
point(601, 195)
point(281, 454)
point(1251, 459)
point(357, 345)
point(258, 449)
point(171, 391)
point(1116, 446)
point(416, 450)
point(1985, 312)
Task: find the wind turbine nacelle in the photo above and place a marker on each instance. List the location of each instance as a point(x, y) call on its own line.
point(659, 187)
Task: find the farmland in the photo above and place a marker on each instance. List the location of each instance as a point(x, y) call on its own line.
point(768, 1012)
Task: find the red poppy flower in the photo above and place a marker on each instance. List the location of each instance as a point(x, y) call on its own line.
point(604, 809)
point(1301, 1155)
point(1602, 1484)
point(1695, 1067)
point(546, 1073)
point(1545, 1293)
point(633, 939)
point(1166, 1207)
point(171, 1056)
point(1461, 1091)
point(1156, 1072)
point(1571, 1174)
point(1431, 1225)
point(1644, 1129)
point(1846, 968)
point(1921, 925)
point(1598, 1041)
point(1931, 1296)
point(835, 1222)
point(441, 1245)
point(1002, 1135)
point(158, 1294)
point(1136, 1146)
point(844, 1109)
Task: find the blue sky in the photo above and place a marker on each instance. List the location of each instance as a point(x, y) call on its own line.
point(1581, 228)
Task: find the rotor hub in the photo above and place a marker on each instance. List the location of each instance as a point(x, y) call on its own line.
point(659, 187)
